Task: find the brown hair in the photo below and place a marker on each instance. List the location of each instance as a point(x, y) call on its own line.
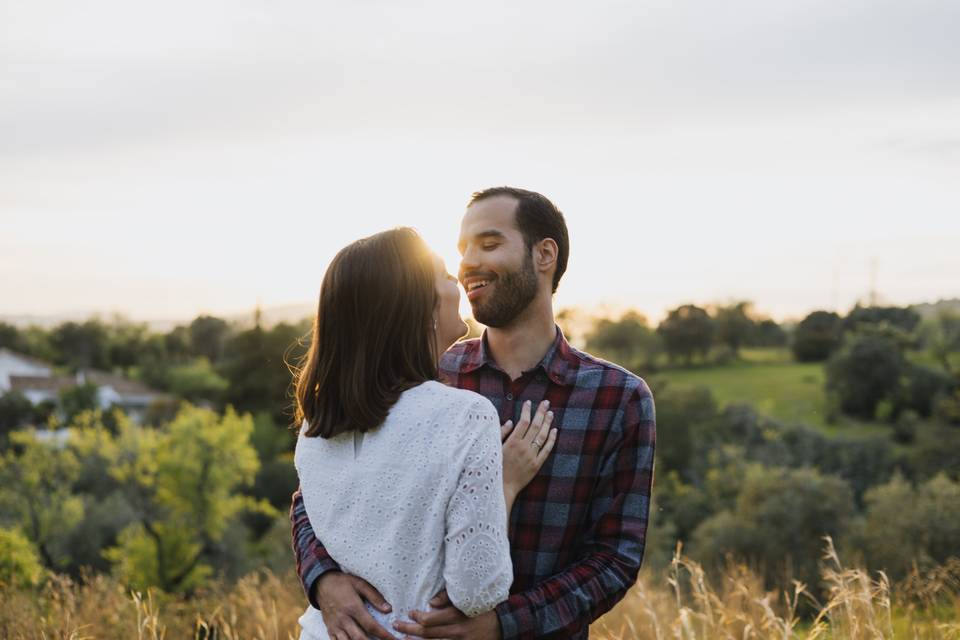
point(373, 336)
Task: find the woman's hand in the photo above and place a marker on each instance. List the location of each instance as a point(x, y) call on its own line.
point(525, 447)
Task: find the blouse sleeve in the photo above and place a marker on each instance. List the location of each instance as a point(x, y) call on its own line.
point(477, 566)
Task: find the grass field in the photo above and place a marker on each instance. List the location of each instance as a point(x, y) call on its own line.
point(774, 384)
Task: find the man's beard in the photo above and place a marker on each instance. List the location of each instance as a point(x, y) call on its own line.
point(515, 291)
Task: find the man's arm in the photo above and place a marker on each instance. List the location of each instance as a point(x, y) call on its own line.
point(312, 558)
point(567, 602)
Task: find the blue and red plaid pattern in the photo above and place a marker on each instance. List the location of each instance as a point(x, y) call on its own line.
point(577, 531)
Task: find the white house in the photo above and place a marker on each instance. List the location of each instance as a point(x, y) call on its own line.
point(16, 364)
point(36, 381)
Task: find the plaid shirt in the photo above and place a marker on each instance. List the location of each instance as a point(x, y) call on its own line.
point(577, 530)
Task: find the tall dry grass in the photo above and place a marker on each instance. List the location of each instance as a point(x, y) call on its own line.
point(684, 603)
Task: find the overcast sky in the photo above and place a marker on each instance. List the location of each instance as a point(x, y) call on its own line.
point(166, 159)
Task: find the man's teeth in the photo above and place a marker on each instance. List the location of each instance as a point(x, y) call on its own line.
point(476, 285)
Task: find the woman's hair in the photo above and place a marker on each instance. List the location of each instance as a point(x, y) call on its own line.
point(373, 337)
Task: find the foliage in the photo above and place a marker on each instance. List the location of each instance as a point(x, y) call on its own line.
point(196, 381)
point(15, 411)
point(36, 494)
point(687, 331)
point(941, 337)
point(19, 565)
point(735, 325)
point(906, 526)
point(183, 483)
point(628, 341)
point(779, 520)
point(817, 336)
point(78, 399)
point(904, 319)
point(81, 345)
point(866, 372)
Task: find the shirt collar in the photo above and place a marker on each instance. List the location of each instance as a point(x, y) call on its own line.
point(556, 361)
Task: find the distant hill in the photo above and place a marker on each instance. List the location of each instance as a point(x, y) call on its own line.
point(929, 310)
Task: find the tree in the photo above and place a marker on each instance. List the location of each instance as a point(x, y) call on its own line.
point(817, 336)
point(687, 331)
point(183, 482)
point(10, 338)
point(903, 318)
point(906, 526)
point(208, 335)
point(866, 372)
point(19, 565)
point(687, 411)
point(778, 523)
point(941, 338)
point(196, 381)
point(734, 325)
point(628, 341)
point(767, 333)
point(76, 400)
point(36, 494)
point(15, 411)
point(82, 346)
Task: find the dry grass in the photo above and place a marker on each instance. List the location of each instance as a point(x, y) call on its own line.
point(683, 604)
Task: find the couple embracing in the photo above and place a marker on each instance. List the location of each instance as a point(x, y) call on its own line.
point(483, 489)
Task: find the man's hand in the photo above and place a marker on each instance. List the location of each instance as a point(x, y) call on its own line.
point(446, 621)
point(344, 613)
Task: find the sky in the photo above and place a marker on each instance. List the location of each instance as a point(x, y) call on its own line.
point(163, 160)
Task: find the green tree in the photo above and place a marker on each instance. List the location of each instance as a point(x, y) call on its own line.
point(904, 319)
point(817, 336)
point(767, 333)
point(208, 334)
point(37, 479)
point(940, 336)
point(866, 372)
point(734, 325)
point(196, 381)
point(15, 411)
point(78, 399)
point(687, 331)
point(10, 338)
point(82, 345)
point(19, 565)
point(184, 483)
point(628, 341)
point(906, 525)
point(778, 523)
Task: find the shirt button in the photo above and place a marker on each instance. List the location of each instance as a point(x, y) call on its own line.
point(509, 396)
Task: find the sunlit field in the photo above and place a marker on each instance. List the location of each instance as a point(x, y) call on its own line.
point(683, 602)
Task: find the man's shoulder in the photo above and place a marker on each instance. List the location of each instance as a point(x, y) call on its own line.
point(461, 352)
point(593, 371)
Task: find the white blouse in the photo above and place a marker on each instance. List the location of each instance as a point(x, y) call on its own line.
point(413, 506)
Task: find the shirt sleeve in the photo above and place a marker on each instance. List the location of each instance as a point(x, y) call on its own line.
point(570, 600)
point(312, 558)
point(477, 567)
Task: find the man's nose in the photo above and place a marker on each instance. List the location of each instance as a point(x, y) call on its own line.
point(468, 261)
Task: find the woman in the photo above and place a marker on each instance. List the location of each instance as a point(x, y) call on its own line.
point(403, 478)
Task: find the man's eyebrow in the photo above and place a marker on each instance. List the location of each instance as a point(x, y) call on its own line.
point(489, 233)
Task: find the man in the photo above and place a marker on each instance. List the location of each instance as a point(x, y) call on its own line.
point(577, 531)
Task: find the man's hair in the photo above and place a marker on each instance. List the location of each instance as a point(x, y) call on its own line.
point(373, 335)
point(537, 218)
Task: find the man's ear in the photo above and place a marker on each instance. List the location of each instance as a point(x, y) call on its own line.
point(545, 255)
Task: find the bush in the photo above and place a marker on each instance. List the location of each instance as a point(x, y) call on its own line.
point(19, 564)
point(778, 523)
point(817, 336)
point(864, 373)
point(906, 525)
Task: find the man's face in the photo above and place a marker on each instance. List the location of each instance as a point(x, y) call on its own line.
point(496, 269)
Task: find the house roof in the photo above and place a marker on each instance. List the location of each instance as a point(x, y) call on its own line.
point(41, 383)
point(121, 385)
point(28, 359)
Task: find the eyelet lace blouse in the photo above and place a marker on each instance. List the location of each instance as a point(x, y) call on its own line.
point(413, 506)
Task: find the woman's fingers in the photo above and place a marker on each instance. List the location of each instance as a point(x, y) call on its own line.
point(540, 436)
point(523, 425)
point(505, 430)
point(547, 447)
point(537, 421)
